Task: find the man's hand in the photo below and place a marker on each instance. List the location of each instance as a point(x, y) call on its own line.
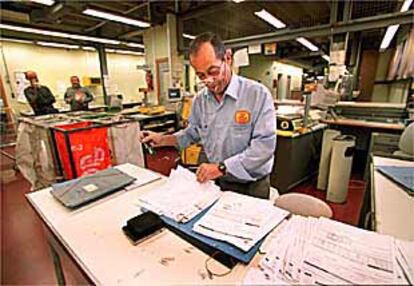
point(152, 138)
point(208, 172)
point(79, 96)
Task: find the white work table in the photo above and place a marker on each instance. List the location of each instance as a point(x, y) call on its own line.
point(392, 206)
point(93, 237)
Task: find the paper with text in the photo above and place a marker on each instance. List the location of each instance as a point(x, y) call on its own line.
point(240, 220)
point(310, 251)
point(182, 197)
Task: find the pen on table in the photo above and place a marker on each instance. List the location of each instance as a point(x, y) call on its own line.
point(251, 224)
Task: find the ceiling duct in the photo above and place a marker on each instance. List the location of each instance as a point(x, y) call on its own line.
point(16, 17)
point(51, 14)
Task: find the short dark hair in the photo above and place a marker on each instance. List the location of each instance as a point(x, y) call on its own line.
point(211, 38)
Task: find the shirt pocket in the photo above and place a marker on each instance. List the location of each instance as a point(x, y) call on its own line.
point(241, 135)
point(202, 132)
point(211, 139)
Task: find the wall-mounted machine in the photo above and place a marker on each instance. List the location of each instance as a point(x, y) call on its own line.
point(174, 94)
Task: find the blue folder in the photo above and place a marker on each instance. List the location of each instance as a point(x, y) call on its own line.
point(403, 176)
point(225, 247)
point(74, 193)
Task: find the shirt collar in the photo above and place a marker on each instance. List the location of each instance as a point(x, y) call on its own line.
point(233, 87)
point(231, 90)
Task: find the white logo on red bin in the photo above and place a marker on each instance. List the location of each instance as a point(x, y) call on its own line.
point(91, 163)
point(77, 148)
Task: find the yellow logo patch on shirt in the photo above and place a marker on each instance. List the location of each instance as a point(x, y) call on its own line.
point(242, 117)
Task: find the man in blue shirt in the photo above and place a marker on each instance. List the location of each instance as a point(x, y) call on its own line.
point(233, 117)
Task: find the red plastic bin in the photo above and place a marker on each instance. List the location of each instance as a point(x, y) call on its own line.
point(83, 148)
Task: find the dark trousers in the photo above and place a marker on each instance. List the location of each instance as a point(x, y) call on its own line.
point(258, 189)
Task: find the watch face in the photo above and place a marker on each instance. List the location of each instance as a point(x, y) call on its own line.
point(222, 168)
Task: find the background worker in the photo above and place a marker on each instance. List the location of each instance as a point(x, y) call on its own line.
point(78, 96)
point(39, 96)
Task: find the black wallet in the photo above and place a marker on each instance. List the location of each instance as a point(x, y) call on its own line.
point(142, 227)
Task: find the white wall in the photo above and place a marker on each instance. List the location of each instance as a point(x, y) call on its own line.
point(294, 72)
point(266, 70)
point(124, 74)
point(55, 66)
point(260, 68)
point(155, 39)
point(161, 43)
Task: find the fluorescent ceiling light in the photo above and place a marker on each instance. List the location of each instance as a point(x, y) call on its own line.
point(88, 49)
point(406, 5)
point(237, 1)
point(129, 52)
point(57, 45)
point(326, 58)
point(389, 35)
point(125, 52)
point(272, 20)
point(17, 41)
point(135, 45)
point(58, 34)
point(307, 44)
point(188, 36)
point(116, 18)
point(44, 2)
point(391, 30)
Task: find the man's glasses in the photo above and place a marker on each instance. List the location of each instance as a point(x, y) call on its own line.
point(212, 72)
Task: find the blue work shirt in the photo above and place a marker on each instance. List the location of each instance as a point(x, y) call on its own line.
point(239, 131)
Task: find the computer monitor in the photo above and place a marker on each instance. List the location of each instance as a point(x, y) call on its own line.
point(174, 94)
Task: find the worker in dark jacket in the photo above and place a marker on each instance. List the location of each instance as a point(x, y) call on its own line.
point(39, 96)
point(77, 96)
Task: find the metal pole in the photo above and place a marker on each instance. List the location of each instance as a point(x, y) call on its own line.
point(353, 25)
point(58, 266)
point(55, 153)
point(70, 154)
point(307, 108)
point(104, 71)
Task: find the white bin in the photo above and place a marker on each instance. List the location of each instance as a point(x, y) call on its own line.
point(340, 170)
point(325, 160)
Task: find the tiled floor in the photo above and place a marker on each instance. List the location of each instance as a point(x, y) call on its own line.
point(25, 254)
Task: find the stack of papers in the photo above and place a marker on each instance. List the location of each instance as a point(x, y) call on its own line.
point(405, 259)
point(286, 250)
point(322, 251)
point(182, 197)
point(363, 257)
point(240, 220)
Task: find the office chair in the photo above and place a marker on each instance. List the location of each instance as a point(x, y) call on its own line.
point(304, 205)
point(406, 143)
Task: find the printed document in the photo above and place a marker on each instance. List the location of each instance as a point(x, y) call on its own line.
point(310, 251)
point(182, 197)
point(240, 220)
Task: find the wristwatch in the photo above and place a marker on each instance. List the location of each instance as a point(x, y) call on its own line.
point(222, 168)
